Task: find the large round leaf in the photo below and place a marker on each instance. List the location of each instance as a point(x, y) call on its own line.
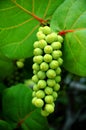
point(19, 21)
point(71, 15)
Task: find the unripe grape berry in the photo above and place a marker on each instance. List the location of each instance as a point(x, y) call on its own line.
point(51, 82)
point(41, 84)
point(44, 113)
point(19, 64)
point(60, 61)
point(44, 66)
point(48, 49)
point(40, 29)
point(46, 30)
point(55, 95)
point(33, 100)
point(58, 70)
point(60, 38)
point(56, 45)
point(42, 44)
point(22, 60)
point(35, 66)
point(48, 90)
point(35, 87)
point(38, 59)
point(51, 37)
point(51, 73)
point(36, 44)
point(41, 75)
point(56, 54)
point(34, 72)
point(40, 94)
point(47, 58)
point(40, 35)
point(58, 78)
point(56, 87)
point(39, 102)
point(49, 99)
point(35, 78)
point(33, 94)
point(54, 64)
point(49, 108)
point(37, 51)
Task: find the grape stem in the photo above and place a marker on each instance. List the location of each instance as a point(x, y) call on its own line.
point(63, 32)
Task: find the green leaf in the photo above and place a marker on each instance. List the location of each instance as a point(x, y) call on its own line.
point(18, 109)
point(6, 66)
point(4, 125)
point(35, 122)
point(19, 23)
point(71, 15)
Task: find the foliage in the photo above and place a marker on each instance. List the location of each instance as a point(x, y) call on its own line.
point(19, 23)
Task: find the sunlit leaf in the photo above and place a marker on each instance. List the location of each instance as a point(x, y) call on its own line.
point(71, 15)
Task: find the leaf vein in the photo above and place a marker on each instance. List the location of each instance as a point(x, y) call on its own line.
point(46, 10)
point(16, 26)
point(77, 19)
point(8, 8)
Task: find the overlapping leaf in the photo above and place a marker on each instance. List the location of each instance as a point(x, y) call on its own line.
point(71, 15)
point(6, 66)
point(18, 25)
point(4, 125)
point(18, 109)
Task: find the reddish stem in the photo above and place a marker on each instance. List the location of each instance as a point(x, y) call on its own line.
point(39, 19)
point(65, 31)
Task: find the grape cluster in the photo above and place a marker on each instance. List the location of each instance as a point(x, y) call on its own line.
point(46, 69)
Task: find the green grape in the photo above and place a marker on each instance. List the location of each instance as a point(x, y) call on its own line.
point(49, 99)
point(60, 61)
point(41, 29)
point(44, 66)
point(55, 95)
point(49, 108)
point(40, 94)
point(47, 58)
point(35, 87)
point(51, 37)
point(56, 87)
point(33, 100)
point(37, 51)
point(40, 35)
point(58, 78)
point(42, 44)
point(36, 44)
point(19, 64)
point(41, 75)
point(35, 78)
point(39, 102)
point(54, 64)
point(48, 49)
point(41, 84)
point(22, 60)
point(46, 30)
point(58, 70)
point(60, 38)
point(51, 82)
point(48, 90)
point(34, 72)
point(56, 45)
point(56, 54)
point(35, 66)
point(33, 94)
point(38, 59)
point(51, 73)
point(44, 113)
